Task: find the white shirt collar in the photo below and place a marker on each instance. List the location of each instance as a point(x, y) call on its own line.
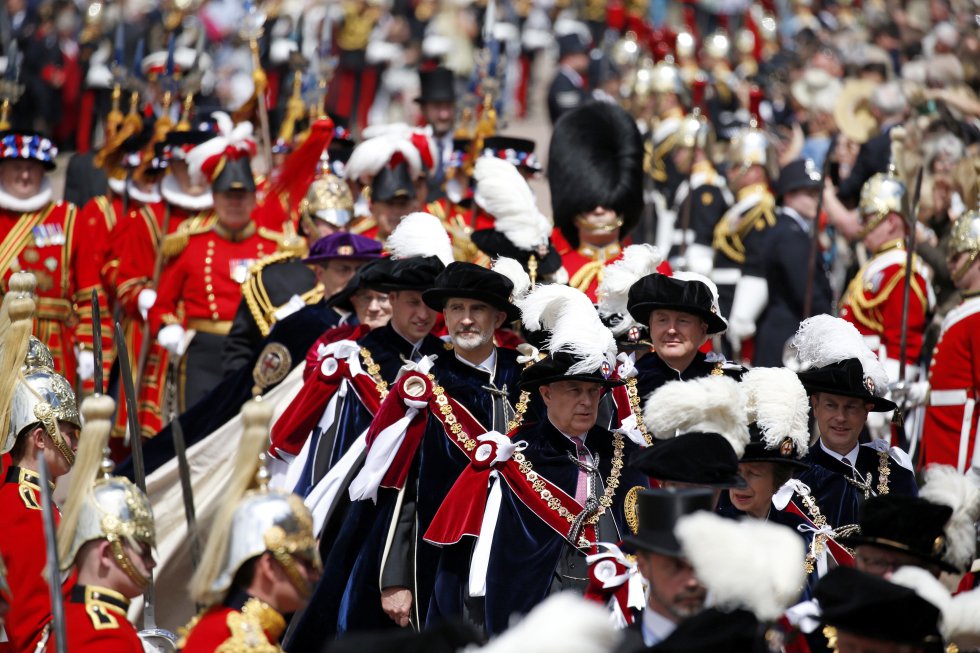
point(655, 627)
point(573, 438)
point(852, 455)
point(489, 365)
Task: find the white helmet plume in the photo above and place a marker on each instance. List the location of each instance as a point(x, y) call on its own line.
point(711, 404)
point(777, 402)
point(420, 234)
point(502, 192)
point(824, 340)
point(637, 262)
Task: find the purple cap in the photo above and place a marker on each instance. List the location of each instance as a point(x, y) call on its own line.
point(343, 245)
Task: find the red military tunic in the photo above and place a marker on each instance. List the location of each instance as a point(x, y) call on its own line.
point(460, 223)
point(96, 622)
point(585, 264)
point(22, 548)
point(231, 627)
point(55, 245)
point(141, 242)
point(950, 429)
point(873, 304)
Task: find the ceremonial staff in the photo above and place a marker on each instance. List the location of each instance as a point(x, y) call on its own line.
point(252, 32)
point(811, 265)
point(97, 342)
point(53, 568)
point(911, 222)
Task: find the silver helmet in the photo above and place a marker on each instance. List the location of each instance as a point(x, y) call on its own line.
point(965, 238)
point(328, 199)
point(882, 194)
point(273, 521)
point(753, 145)
point(42, 396)
point(101, 506)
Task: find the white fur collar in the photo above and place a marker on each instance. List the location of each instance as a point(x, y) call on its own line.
point(171, 192)
point(35, 203)
point(119, 186)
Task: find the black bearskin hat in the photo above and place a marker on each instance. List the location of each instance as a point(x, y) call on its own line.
point(595, 159)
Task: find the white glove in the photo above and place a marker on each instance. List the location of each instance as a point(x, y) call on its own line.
point(911, 394)
point(171, 338)
point(751, 295)
point(700, 259)
point(145, 301)
point(86, 364)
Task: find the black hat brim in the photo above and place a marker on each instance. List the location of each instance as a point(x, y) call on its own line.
point(494, 244)
point(665, 461)
point(664, 543)
point(641, 313)
point(815, 382)
point(854, 541)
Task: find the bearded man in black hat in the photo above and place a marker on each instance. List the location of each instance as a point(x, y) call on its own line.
point(771, 294)
point(674, 593)
point(438, 105)
point(561, 484)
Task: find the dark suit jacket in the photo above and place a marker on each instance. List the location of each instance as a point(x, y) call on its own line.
point(632, 641)
point(872, 158)
point(563, 95)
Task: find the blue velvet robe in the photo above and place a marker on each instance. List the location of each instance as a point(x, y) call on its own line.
point(653, 372)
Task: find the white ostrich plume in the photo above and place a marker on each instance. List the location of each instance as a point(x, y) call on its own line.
point(824, 340)
point(370, 156)
point(420, 234)
point(944, 485)
point(777, 402)
point(563, 623)
point(637, 262)
point(516, 273)
point(749, 564)
point(574, 325)
point(711, 404)
point(228, 135)
point(502, 192)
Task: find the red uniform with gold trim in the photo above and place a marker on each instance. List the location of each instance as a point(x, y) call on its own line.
point(54, 244)
point(873, 304)
point(460, 222)
point(231, 628)
point(96, 622)
point(950, 430)
point(585, 264)
point(200, 288)
point(141, 241)
point(22, 548)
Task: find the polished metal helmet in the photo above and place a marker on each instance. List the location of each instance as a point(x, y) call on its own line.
point(42, 396)
point(753, 146)
point(745, 41)
point(881, 195)
point(666, 78)
point(626, 51)
point(328, 199)
point(685, 45)
point(718, 46)
point(273, 521)
point(965, 237)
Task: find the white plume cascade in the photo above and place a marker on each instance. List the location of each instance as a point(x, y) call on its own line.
point(749, 564)
point(228, 135)
point(777, 402)
point(711, 404)
point(370, 156)
point(502, 192)
point(575, 327)
point(824, 340)
point(563, 623)
point(960, 615)
point(944, 485)
point(420, 234)
point(637, 262)
point(516, 273)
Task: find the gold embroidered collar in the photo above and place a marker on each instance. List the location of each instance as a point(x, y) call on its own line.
point(600, 253)
point(234, 236)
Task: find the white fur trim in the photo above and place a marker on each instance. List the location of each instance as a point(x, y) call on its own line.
point(33, 203)
point(171, 192)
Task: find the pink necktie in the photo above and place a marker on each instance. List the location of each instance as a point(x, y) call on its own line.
point(582, 487)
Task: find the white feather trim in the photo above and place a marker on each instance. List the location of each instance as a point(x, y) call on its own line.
point(711, 404)
point(563, 623)
point(749, 564)
point(502, 192)
point(961, 621)
point(514, 271)
point(228, 135)
point(925, 585)
point(824, 340)
point(574, 325)
point(946, 486)
point(420, 234)
point(369, 157)
point(637, 262)
point(777, 402)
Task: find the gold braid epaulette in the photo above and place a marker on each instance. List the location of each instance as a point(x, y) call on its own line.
point(256, 297)
point(730, 239)
point(862, 307)
point(175, 243)
point(249, 627)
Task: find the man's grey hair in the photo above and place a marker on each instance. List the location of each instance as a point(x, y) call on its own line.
point(889, 100)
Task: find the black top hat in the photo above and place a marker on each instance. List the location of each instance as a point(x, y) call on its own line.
point(371, 275)
point(868, 606)
point(469, 280)
point(656, 291)
point(595, 159)
point(438, 85)
point(705, 459)
point(657, 513)
point(846, 379)
point(797, 175)
point(495, 244)
point(554, 367)
point(572, 43)
point(905, 524)
point(757, 452)
point(712, 631)
point(417, 273)
point(391, 183)
point(236, 174)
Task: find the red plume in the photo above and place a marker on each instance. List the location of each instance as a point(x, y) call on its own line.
point(691, 21)
point(698, 87)
point(300, 167)
point(755, 101)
